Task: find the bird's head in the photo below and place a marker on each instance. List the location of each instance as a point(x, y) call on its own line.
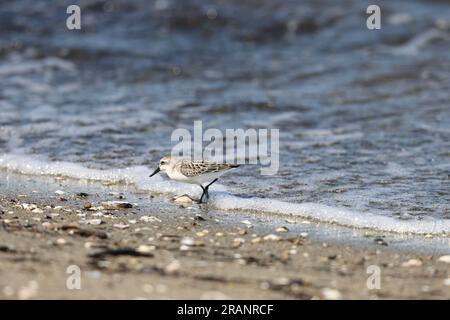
point(164, 164)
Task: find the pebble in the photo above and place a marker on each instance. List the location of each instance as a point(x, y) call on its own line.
point(183, 199)
point(447, 282)
point(187, 241)
point(113, 205)
point(149, 219)
point(445, 259)
point(256, 240)
point(37, 210)
point(28, 206)
point(87, 205)
point(61, 241)
point(272, 237)
point(282, 229)
point(93, 221)
point(412, 263)
point(237, 242)
point(331, 294)
point(143, 248)
point(121, 226)
point(99, 208)
point(304, 234)
point(172, 267)
point(59, 192)
point(246, 222)
point(380, 241)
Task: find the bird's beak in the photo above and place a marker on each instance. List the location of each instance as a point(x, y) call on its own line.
point(155, 172)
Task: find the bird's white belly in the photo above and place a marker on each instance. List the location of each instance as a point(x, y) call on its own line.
point(200, 179)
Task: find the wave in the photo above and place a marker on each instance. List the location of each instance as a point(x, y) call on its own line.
point(223, 200)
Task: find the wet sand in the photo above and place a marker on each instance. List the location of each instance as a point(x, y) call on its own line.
point(131, 253)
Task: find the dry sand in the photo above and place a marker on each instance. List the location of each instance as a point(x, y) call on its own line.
point(135, 253)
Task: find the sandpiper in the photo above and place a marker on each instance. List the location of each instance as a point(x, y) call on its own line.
point(194, 172)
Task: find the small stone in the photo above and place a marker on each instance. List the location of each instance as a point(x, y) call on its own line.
point(93, 221)
point(87, 205)
point(37, 210)
point(47, 225)
point(97, 214)
point(331, 294)
point(143, 248)
point(121, 226)
point(172, 267)
point(187, 241)
point(219, 234)
point(114, 205)
point(304, 234)
point(246, 222)
point(282, 229)
point(256, 240)
point(99, 208)
point(185, 199)
point(447, 282)
point(412, 263)
point(82, 194)
point(59, 192)
point(28, 206)
point(242, 232)
point(61, 241)
point(272, 237)
point(237, 242)
point(445, 259)
point(380, 241)
point(149, 219)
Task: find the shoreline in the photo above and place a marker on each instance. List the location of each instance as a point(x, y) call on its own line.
point(150, 252)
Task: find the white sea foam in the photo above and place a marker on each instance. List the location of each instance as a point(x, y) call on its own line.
point(223, 200)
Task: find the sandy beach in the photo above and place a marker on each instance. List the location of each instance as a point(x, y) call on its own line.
point(134, 253)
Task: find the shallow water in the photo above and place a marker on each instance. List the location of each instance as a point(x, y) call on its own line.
point(364, 116)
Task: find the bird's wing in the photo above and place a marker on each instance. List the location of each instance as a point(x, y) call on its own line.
point(195, 168)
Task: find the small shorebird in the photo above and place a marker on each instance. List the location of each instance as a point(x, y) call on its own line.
point(194, 172)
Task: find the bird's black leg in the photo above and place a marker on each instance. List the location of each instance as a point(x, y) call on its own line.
point(207, 187)
point(205, 191)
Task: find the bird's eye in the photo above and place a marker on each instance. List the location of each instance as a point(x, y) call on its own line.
point(162, 162)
